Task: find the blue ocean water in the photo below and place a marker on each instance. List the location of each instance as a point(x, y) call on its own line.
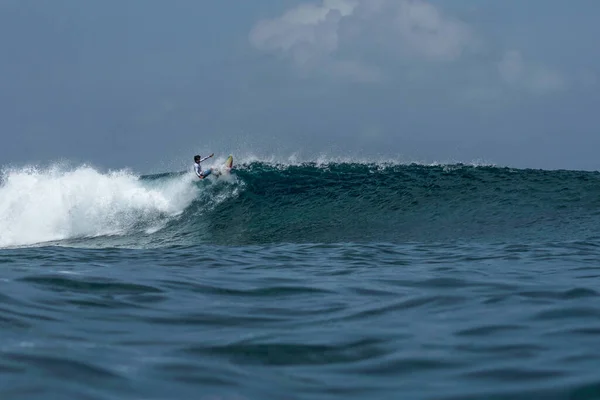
point(300, 281)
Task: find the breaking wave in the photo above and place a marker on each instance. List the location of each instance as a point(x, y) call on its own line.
point(320, 202)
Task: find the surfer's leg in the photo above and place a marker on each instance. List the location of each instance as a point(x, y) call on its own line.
point(206, 173)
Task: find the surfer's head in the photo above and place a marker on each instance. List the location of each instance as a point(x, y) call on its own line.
point(197, 158)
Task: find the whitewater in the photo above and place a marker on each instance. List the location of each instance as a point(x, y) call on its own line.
point(40, 206)
point(323, 279)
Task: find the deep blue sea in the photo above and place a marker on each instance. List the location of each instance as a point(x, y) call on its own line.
point(300, 281)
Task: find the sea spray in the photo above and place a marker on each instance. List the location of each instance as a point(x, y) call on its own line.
point(55, 204)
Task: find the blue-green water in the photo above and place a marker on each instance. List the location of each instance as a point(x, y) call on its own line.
point(335, 281)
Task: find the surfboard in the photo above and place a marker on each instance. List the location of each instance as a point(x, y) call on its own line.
point(229, 163)
point(225, 169)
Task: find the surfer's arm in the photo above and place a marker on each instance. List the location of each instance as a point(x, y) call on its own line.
point(207, 157)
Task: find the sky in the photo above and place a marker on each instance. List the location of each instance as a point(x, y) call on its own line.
point(146, 84)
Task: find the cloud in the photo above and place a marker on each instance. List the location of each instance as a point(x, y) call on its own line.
point(304, 32)
point(428, 32)
point(311, 34)
point(370, 40)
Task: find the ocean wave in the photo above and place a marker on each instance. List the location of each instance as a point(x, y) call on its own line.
point(270, 201)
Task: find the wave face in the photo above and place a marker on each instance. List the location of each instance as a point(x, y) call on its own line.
point(302, 203)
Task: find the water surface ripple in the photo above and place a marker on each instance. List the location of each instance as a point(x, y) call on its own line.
point(302, 321)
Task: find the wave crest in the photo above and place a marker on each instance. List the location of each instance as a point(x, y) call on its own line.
point(301, 202)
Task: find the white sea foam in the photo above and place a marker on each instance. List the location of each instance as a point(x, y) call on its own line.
point(55, 204)
point(324, 159)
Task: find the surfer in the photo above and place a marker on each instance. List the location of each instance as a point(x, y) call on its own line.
point(198, 169)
